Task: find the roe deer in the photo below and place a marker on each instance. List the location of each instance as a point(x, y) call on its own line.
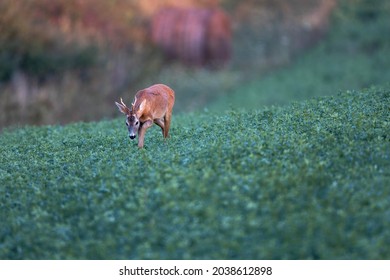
point(151, 105)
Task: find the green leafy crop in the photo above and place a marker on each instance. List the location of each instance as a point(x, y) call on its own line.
point(306, 181)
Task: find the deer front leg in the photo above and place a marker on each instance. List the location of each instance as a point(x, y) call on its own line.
point(141, 132)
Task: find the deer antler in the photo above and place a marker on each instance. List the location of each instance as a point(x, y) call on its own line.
point(135, 101)
point(123, 102)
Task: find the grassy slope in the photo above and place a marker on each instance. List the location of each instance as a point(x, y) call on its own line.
point(355, 55)
point(305, 181)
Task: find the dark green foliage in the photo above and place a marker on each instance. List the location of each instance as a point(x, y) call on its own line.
point(42, 61)
point(355, 55)
point(308, 181)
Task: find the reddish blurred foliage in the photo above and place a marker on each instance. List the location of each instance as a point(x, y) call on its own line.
point(84, 22)
point(99, 21)
point(196, 36)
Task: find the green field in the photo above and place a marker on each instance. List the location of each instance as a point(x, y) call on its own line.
point(306, 181)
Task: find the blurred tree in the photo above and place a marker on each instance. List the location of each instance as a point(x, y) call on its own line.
point(42, 37)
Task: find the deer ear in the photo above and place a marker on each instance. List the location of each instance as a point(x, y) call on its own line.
point(123, 108)
point(142, 105)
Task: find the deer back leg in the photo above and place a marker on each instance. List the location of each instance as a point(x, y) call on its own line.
point(160, 123)
point(167, 123)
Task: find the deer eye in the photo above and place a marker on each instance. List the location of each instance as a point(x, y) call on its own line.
point(136, 123)
point(126, 123)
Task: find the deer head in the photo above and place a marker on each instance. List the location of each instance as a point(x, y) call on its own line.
point(132, 119)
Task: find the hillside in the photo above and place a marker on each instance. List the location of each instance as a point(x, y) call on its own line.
point(305, 181)
point(355, 55)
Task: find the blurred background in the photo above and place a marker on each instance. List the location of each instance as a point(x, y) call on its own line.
point(68, 60)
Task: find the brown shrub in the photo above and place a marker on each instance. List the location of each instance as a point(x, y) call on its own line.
point(196, 36)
